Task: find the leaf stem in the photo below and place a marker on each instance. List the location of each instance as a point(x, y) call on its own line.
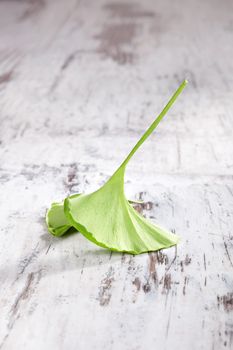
point(154, 124)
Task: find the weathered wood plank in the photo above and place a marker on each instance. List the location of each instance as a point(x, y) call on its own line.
point(79, 83)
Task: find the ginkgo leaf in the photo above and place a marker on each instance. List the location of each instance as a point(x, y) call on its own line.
point(56, 220)
point(58, 224)
point(106, 217)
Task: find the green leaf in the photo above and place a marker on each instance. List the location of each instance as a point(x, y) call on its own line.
point(56, 220)
point(106, 217)
point(58, 224)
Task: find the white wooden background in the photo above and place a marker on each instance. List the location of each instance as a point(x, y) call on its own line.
point(79, 83)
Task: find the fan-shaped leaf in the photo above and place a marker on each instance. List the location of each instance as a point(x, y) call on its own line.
point(107, 218)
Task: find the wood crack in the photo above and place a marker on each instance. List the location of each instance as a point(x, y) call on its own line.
point(33, 278)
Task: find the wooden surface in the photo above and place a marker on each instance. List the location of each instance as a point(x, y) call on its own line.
point(79, 83)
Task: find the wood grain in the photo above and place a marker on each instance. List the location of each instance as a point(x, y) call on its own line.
point(79, 83)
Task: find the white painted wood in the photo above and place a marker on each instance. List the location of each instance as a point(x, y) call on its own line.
point(79, 83)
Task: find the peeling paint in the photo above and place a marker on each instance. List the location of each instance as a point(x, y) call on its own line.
point(34, 7)
point(115, 40)
point(167, 282)
point(105, 288)
point(227, 301)
point(137, 283)
point(6, 77)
